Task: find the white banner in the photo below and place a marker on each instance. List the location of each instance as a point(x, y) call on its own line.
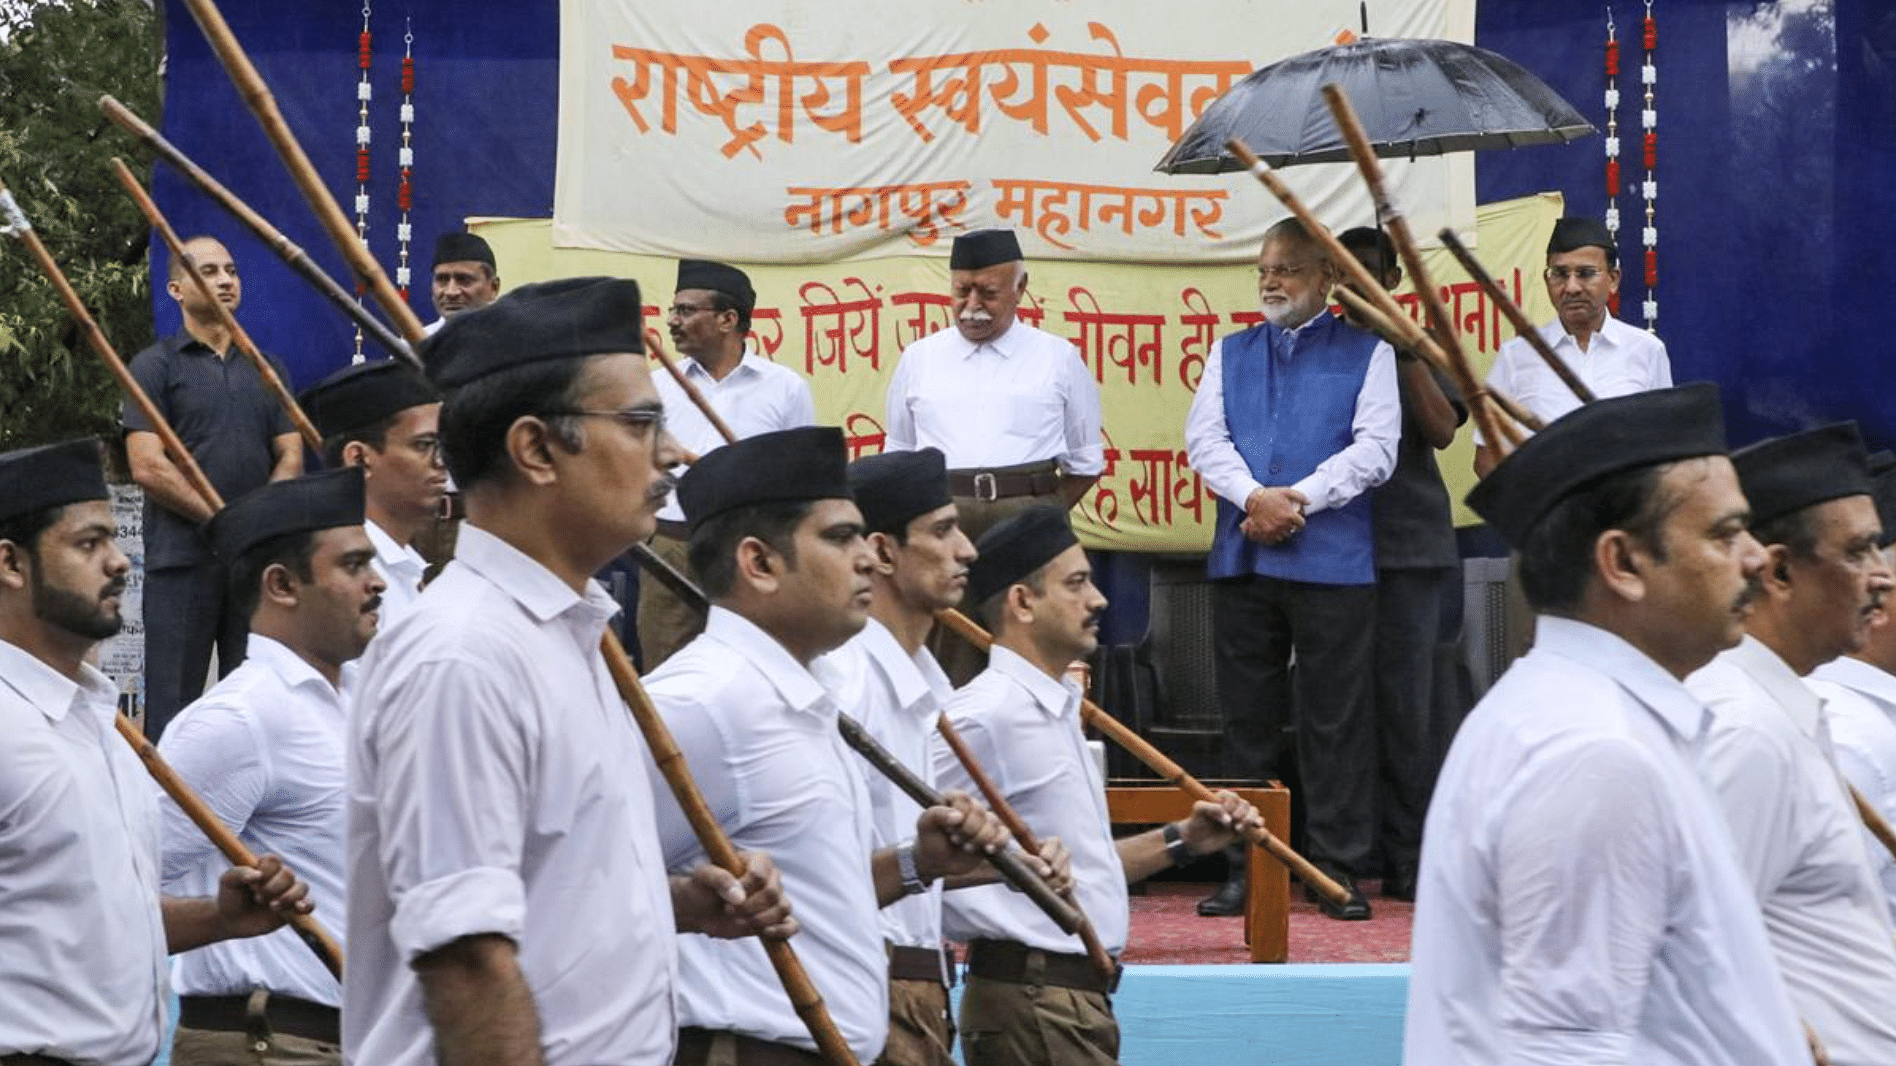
point(792, 131)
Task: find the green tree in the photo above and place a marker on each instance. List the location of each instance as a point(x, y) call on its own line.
point(56, 60)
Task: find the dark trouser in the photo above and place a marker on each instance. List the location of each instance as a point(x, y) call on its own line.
point(666, 623)
point(1257, 622)
point(188, 610)
point(1408, 634)
point(960, 660)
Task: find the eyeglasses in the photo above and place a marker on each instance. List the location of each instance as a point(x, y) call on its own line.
point(1559, 275)
point(1281, 271)
point(686, 310)
point(633, 418)
point(428, 447)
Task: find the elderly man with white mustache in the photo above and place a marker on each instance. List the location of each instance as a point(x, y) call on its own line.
point(1013, 408)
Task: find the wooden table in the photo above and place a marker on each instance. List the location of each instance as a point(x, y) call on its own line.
point(1267, 911)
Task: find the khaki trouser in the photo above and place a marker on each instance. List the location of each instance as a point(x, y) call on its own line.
point(666, 624)
point(920, 1031)
point(206, 1047)
point(1008, 1024)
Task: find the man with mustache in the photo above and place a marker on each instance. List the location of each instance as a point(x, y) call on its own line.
point(777, 542)
point(264, 748)
point(1580, 899)
point(464, 276)
point(82, 914)
point(507, 898)
point(384, 418)
point(1295, 420)
point(1013, 408)
point(215, 399)
point(1611, 357)
point(710, 321)
point(1859, 694)
point(1034, 998)
point(1769, 756)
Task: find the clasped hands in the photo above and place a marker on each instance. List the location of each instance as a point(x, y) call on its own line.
point(1273, 515)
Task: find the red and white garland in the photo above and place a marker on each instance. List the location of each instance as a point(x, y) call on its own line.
point(1649, 189)
point(405, 157)
point(1649, 141)
point(405, 193)
point(364, 93)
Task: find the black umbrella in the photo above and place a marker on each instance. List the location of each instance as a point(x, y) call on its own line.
point(1415, 97)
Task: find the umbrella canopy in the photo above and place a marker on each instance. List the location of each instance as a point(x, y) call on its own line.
point(1415, 97)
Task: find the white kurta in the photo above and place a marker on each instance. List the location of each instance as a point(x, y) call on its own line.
point(1860, 705)
point(497, 785)
point(401, 568)
point(757, 396)
point(897, 699)
point(264, 749)
point(82, 939)
point(1579, 899)
point(1800, 843)
point(1024, 728)
point(1023, 397)
point(759, 734)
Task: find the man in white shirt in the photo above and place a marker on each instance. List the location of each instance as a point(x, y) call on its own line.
point(1580, 900)
point(777, 542)
point(1295, 420)
point(1034, 998)
point(1611, 357)
point(709, 319)
point(264, 749)
point(384, 418)
point(82, 916)
point(507, 899)
point(463, 278)
point(1768, 757)
point(1859, 694)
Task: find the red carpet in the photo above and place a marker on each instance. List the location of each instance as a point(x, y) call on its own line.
point(1167, 929)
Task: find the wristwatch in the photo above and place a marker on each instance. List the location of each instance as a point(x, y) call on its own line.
point(912, 883)
point(1175, 848)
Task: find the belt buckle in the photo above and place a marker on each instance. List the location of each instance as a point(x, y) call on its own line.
point(986, 488)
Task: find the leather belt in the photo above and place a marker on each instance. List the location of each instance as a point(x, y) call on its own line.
point(1016, 963)
point(674, 529)
point(695, 1048)
point(27, 1058)
point(920, 964)
point(284, 1015)
point(1006, 483)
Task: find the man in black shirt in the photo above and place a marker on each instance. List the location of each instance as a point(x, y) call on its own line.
point(216, 401)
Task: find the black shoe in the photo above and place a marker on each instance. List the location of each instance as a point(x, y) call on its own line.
point(1228, 900)
point(1356, 909)
point(1400, 884)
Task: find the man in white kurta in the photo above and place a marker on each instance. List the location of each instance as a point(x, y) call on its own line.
point(384, 418)
point(1579, 900)
point(1859, 700)
point(1769, 757)
point(507, 898)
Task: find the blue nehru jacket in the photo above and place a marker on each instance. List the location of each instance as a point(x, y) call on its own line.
point(1290, 399)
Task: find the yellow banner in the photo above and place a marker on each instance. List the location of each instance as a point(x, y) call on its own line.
point(1145, 331)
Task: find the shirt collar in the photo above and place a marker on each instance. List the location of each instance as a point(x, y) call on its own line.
point(293, 669)
point(909, 677)
point(749, 364)
point(1645, 680)
point(1004, 345)
point(390, 551)
point(792, 680)
point(1780, 682)
point(1055, 698)
point(46, 689)
point(1856, 674)
point(539, 591)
